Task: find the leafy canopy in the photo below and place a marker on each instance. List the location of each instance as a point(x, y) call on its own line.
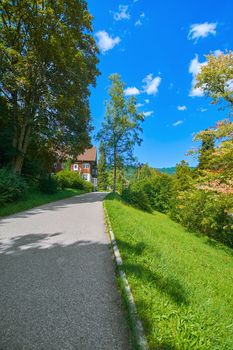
point(48, 61)
point(121, 127)
point(216, 77)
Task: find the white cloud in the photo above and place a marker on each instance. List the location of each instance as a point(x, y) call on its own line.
point(138, 105)
point(201, 30)
point(122, 13)
point(138, 23)
point(105, 42)
point(217, 52)
point(131, 91)
point(194, 69)
point(179, 122)
point(151, 84)
point(203, 110)
point(147, 100)
point(148, 114)
point(182, 108)
point(170, 86)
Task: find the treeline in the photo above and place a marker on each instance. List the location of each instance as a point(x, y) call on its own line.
point(185, 198)
point(48, 62)
point(201, 199)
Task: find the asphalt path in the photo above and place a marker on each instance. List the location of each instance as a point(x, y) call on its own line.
point(57, 283)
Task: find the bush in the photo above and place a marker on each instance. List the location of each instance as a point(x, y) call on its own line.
point(88, 186)
point(72, 179)
point(69, 179)
point(48, 185)
point(137, 198)
point(12, 186)
point(206, 212)
point(158, 191)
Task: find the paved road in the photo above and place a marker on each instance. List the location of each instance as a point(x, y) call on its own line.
point(57, 284)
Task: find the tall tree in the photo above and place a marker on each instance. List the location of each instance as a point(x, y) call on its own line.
point(207, 148)
point(220, 157)
point(145, 172)
point(102, 169)
point(121, 128)
point(216, 77)
point(47, 64)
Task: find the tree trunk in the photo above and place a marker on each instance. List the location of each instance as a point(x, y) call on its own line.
point(115, 172)
point(22, 146)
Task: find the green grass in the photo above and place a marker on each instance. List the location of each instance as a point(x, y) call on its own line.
point(34, 199)
point(182, 283)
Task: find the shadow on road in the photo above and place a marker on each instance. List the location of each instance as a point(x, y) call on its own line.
point(59, 296)
point(58, 205)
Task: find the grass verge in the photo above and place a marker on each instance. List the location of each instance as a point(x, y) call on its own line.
point(181, 282)
point(35, 198)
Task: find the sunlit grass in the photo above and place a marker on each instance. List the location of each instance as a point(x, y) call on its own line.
point(182, 283)
point(34, 199)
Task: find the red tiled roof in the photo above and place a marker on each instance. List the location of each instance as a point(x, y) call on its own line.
point(88, 155)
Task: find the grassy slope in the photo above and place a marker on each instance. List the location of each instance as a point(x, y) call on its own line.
point(182, 283)
point(34, 199)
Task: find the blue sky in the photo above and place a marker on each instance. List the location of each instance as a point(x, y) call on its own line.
point(158, 47)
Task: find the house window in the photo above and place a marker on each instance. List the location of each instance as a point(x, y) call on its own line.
point(75, 167)
point(86, 165)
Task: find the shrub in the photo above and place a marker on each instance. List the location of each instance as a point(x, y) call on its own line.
point(137, 198)
point(69, 179)
point(12, 186)
point(158, 190)
point(47, 184)
point(88, 186)
point(72, 179)
point(206, 212)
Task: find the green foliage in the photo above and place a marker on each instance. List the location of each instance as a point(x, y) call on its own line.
point(180, 195)
point(102, 169)
point(121, 128)
point(145, 172)
point(215, 78)
point(87, 186)
point(206, 212)
point(206, 150)
point(121, 181)
point(68, 179)
point(183, 179)
point(182, 282)
point(130, 172)
point(219, 158)
point(47, 184)
point(161, 192)
point(155, 188)
point(12, 186)
point(137, 198)
point(71, 179)
point(48, 63)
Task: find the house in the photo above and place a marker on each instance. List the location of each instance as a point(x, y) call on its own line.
point(86, 165)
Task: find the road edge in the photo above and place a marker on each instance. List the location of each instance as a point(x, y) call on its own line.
point(132, 309)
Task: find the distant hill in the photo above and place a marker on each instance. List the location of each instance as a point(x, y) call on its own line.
point(129, 171)
point(169, 171)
